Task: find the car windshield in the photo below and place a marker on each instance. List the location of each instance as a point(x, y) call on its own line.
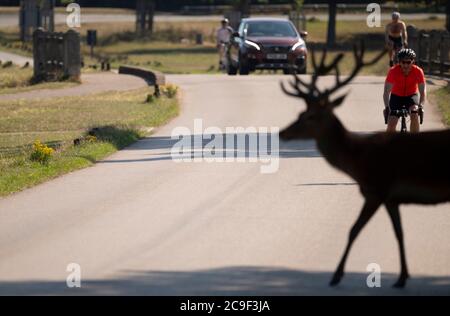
point(271, 29)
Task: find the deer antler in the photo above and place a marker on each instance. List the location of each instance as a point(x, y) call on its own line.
point(310, 90)
point(359, 59)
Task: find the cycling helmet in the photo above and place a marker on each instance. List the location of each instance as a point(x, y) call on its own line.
point(406, 53)
point(225, 20)
point(395, 15)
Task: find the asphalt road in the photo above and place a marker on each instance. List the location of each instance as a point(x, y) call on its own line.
point(16, 59)
point(140, 223)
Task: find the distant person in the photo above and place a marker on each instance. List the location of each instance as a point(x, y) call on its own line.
point(223, 38)
point(396, 36)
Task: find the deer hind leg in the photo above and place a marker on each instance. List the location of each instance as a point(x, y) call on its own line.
point(394, 214)
point(369, 208)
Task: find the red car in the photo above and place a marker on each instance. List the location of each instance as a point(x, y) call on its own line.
point(266, 43)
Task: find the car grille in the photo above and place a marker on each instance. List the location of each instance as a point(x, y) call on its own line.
point(277, 49)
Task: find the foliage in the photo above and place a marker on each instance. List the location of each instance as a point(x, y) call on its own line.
point(41, 153)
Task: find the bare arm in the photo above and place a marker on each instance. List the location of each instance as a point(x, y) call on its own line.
point(386, 94)
point(423, 93)
point(386, 34)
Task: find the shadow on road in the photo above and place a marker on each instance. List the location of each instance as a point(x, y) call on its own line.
point(230, 281)
point(163, 145)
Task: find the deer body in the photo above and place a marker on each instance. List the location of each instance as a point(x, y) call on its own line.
point(416, 167)
point(390, 168)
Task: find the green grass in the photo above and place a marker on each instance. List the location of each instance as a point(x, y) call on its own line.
point(17, 79)
point(442, 99)
point(166, 57)
point(13, 77)
point(117, 119)
point(348, 62)
point(348, 30)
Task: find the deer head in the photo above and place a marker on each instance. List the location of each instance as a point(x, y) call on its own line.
point(319, 103)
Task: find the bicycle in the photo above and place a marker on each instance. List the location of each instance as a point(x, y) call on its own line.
point(403, 114)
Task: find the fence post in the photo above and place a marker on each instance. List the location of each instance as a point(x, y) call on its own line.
point(424, 50)
point(444, 53)
point(434, 47)
point(38, 53)
point(413, 38)
point(72, 55)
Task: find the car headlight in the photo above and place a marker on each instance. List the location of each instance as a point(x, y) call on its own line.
point(300, 45)
point(252, 44)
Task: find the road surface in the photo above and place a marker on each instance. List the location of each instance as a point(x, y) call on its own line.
point(16, 59)
point(140, 223)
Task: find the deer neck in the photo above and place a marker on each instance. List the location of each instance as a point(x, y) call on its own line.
point(335, 144)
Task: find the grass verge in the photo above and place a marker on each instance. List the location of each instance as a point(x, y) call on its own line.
point(442, 98)
point(15, 79)
point(116, 119)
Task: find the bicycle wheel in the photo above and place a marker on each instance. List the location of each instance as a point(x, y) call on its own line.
point(404, 129)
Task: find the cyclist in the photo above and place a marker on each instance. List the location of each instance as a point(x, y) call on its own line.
point(223, 38)
point(401, 88)
point(396, 36)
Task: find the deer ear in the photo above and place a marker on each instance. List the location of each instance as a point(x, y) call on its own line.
point(338, 101)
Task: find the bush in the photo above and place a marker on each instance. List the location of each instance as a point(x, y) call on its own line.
point(91, 139)
point(7, 64)
point(169, 90)
point(41, 153)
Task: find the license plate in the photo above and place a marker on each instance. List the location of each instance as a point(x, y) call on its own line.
point(276, 56)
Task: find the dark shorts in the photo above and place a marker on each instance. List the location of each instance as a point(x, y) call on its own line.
point(398, 41)
point(399, 103)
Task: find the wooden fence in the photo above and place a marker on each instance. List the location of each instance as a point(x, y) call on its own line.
point(432, 49)
point(56, 55)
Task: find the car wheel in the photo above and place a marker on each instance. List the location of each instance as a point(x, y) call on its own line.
point(302, 68)
point(243, 66)
point(302, 71)
point(288, 71)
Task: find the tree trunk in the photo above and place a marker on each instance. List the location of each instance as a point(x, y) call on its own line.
point(145, 11)
point(243, 6)
point(447, 10)
point(331, 36)
point(151, 16)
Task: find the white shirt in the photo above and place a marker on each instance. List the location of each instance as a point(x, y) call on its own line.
point(224, 34)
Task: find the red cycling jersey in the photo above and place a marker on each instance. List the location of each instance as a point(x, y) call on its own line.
point(405, 85)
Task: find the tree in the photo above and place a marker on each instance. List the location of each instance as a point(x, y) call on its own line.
point(297, 4)
point(447, 10)
point(145, 11)
point(331, 35)
point(242, 6)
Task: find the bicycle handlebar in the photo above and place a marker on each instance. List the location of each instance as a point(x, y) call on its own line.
point(402, 113)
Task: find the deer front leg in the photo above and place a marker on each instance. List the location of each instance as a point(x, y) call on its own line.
point(369, 208)
point(394, 214)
